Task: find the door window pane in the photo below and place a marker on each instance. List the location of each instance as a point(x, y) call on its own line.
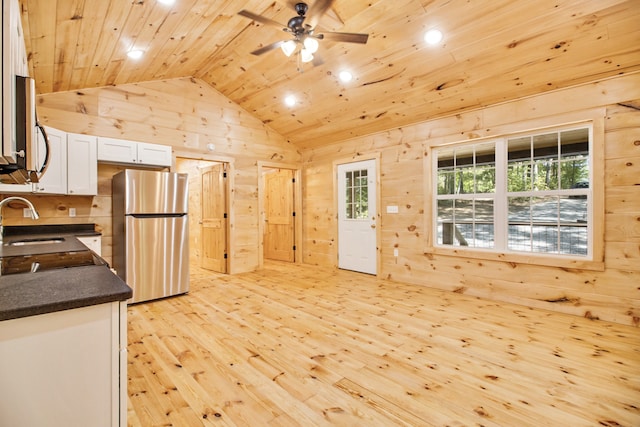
point(356, 194)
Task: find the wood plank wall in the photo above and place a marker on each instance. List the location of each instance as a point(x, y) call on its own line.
point(183, 113)
point(612, 294)
point(187, 114)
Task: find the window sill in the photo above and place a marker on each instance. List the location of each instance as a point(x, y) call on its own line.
point(546, 260)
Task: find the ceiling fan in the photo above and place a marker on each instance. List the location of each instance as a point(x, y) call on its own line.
point(303, 29)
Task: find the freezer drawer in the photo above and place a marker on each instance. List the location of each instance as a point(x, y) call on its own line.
point(157, 256)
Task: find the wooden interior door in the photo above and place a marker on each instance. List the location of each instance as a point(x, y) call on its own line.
point(279, 235)
point(214, 218)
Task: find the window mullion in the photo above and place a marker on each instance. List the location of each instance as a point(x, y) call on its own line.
point(500, 206)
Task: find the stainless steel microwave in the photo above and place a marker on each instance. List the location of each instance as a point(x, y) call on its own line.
point(19, 162)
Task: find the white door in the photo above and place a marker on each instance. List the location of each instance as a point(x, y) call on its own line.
point(357, 243)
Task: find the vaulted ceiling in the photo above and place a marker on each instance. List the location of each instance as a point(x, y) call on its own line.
point(492, 51)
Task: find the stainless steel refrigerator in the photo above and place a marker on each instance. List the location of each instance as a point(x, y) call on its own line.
point(150, 233)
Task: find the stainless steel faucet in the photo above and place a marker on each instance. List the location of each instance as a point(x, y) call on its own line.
point(34, 213)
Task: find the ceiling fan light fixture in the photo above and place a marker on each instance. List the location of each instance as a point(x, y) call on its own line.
point(288, 47)
point(306, 56)
point(311, 44)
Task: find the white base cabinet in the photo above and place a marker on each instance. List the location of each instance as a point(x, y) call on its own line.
point(66, 368)
point(92, 242)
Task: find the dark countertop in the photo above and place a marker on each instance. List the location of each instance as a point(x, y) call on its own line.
point(75, 229)
point(29, 294)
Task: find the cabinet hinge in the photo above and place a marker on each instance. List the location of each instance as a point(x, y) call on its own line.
point(224, 174)
point(294, 247)
point(225, 215)
point(293, 180)
point(225, 256)
point(294, 214)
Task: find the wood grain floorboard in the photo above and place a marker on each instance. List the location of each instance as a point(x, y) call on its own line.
point(297, 345)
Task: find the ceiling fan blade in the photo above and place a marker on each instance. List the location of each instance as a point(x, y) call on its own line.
point(316, 11)
point(268, 48)
point(345, 37)
point(260, 18)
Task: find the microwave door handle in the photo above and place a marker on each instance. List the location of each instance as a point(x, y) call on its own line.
point(46, 146)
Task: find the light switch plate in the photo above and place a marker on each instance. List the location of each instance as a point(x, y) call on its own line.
point(392, 209)
point(72, 211)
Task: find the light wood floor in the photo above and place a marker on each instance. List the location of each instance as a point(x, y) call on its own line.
point(300, 346)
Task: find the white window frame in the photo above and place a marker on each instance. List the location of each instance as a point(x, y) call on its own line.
point(594, 260)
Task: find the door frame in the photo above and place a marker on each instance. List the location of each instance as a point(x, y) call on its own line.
point(229, 196)
point(354, 159)
point(297, 207)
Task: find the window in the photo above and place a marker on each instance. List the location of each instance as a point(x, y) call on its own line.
point(527, 193)
point(357, 195)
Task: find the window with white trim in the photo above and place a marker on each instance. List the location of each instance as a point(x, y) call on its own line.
point(526, 193)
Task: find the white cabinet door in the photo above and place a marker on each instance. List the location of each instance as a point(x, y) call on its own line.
point(92, 242)
point(142, 153)
point(54, 179)
point(82, 161)
point(154, 154)
point(63, 369)
point(117, 150)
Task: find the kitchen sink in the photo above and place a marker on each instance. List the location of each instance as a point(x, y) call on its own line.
point(29, 242)
point(48, 261)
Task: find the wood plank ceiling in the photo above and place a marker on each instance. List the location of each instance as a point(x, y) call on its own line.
point(492, 51)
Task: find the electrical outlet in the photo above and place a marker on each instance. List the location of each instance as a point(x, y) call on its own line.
point(72, 211)
point(395, 252)
point(26, 213)
point(392, 209)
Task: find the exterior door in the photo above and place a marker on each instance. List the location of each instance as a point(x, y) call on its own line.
point(279, 230)
point(214, 218)
point(357, 236)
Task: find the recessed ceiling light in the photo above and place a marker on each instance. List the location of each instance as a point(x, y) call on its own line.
point(167, 2)
point(345, 76)
point(290, 101)
point(433, 36)
point(135, 54)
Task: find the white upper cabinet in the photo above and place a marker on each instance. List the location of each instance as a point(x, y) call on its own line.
point(130, 152)
point(72, 167)
point(117, 150)
point(154, 154)
point(54, 178)
point(82, 164)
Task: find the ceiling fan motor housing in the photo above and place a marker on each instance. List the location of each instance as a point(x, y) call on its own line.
point(295, 23)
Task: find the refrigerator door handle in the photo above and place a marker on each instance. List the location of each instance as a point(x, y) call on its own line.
point(164, 215)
